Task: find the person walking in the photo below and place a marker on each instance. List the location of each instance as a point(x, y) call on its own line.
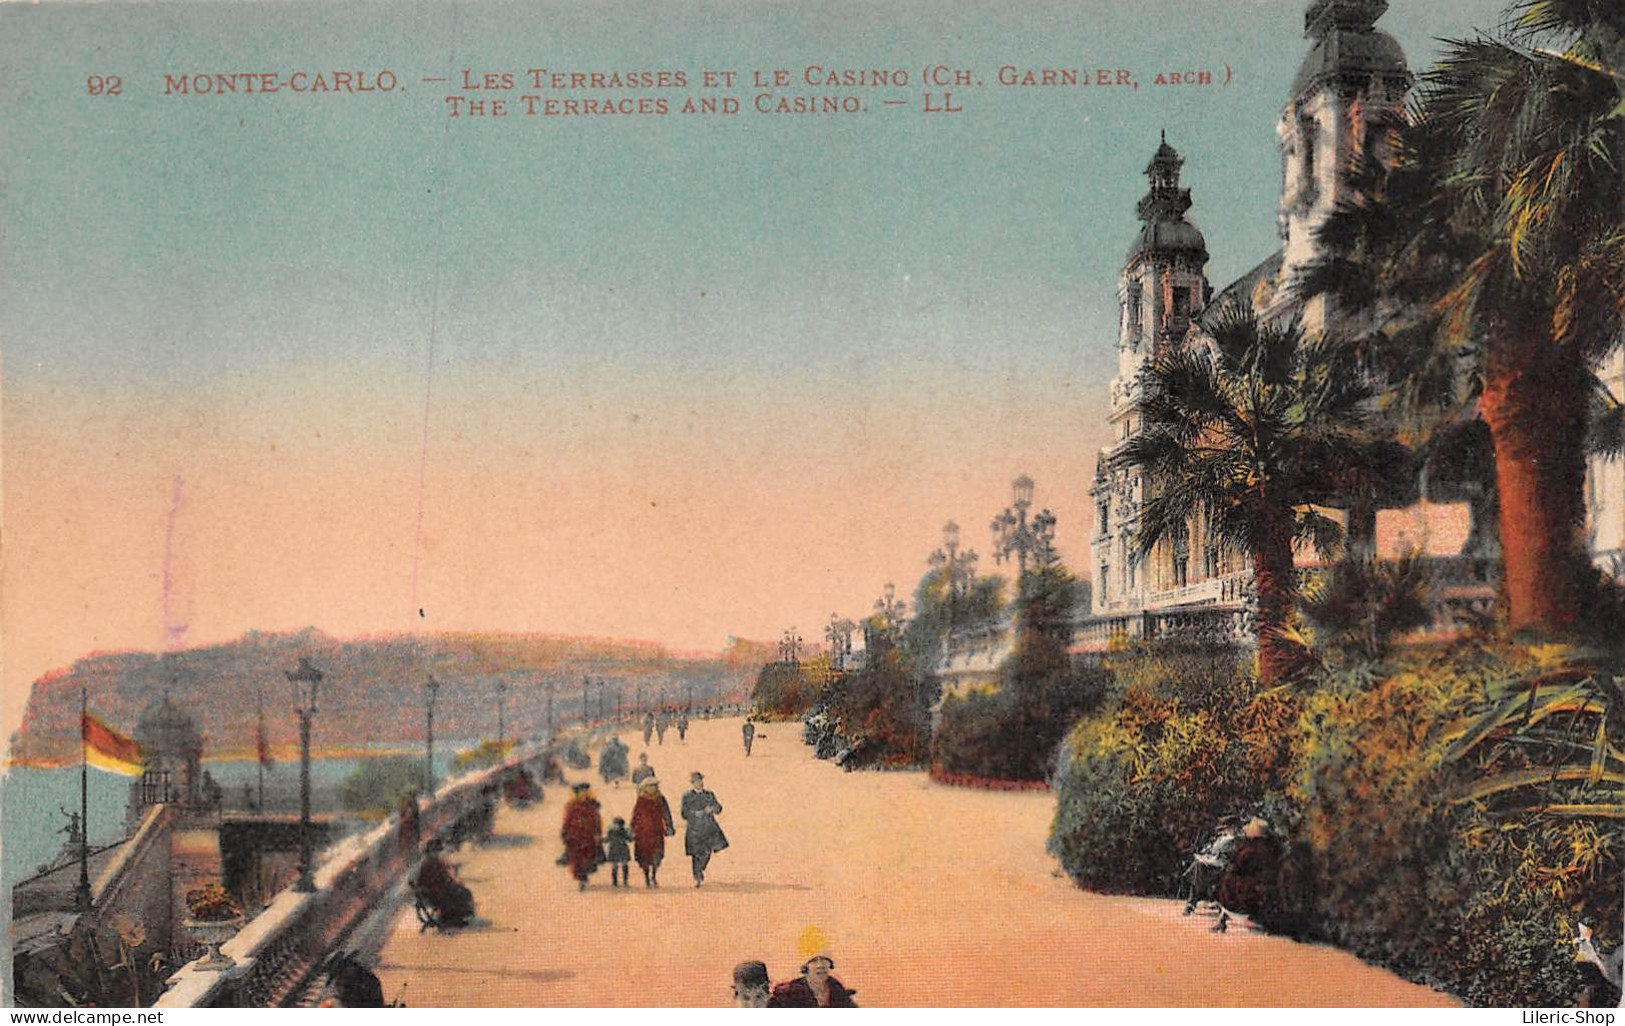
point(643, 771)
point(682, 726)
point(651, 825)
point(618, 853)
point(612, 761)
point(583, 833)
point(661, 724)
point(648, 727)
point(750, 736)
point(702, 837)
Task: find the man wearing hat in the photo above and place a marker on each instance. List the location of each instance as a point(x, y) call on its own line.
point(814, 988)
point(583, 833)
point(702, 837)
point(751, 986)
point(651, 825)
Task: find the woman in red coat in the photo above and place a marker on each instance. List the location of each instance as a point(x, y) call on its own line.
point(583, 834)
point(651, 825)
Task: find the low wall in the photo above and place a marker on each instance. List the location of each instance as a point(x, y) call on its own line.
point(279, 951)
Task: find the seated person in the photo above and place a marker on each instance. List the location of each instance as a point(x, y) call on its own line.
point(438, 887)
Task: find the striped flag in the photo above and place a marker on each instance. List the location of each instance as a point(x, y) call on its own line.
point(107, 749)
point(263, 746)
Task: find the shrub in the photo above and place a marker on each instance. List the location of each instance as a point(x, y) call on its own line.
point(1013, 733)
point(374, 787)
point(486, 753)
point(1450, 814)
point(1422, 861)
point(1143, 785)
point(883, 711)
point(787, 691)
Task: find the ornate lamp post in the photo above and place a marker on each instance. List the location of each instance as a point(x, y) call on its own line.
point(305, 680)
point(430, 690)
point(790, 647)
point(889, 608)
point(958, 568)
point(1012, 534)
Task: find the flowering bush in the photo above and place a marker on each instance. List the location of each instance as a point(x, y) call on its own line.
point(211, 904)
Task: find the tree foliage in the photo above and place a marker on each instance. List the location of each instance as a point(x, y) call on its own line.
point(1252, 436)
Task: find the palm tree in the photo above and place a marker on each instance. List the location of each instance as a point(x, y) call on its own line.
point(1252, 434)
point(1489, 267)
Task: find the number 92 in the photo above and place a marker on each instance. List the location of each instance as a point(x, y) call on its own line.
point(104, 85)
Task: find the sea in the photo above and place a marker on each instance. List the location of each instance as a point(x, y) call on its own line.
point(34, 802)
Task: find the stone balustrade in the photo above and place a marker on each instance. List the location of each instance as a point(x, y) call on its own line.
point(279, 951)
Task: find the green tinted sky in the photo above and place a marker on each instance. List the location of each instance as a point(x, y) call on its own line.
point(691, 376)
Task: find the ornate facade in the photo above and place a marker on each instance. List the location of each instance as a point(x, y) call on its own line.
point(1353, 74)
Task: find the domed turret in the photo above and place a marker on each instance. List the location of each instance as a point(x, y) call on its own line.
point(1339, 113)
point(1163, 210)
point(1348, 45)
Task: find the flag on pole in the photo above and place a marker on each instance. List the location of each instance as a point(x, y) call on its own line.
point(107, 749)
point(263, 746)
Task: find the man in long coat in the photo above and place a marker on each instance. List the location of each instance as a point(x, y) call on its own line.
point(651, 825)
point(583, 833)
point(703, 837)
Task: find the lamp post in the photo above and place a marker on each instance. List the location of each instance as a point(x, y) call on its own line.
point(890, 609)
point(958, 569)
point(1013, 535)
point(790, 647)
point(305, 680)
point(586, 708)
point(502, 722)
point(430, 690)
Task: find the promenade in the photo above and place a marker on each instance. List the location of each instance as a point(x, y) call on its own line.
point(929, 896)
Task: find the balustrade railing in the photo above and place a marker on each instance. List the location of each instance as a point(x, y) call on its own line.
point(278, 952)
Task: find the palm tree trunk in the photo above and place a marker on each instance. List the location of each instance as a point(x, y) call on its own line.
point(1534, 402)
point(1276, 584)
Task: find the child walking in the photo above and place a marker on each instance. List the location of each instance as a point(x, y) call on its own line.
point(618, 847)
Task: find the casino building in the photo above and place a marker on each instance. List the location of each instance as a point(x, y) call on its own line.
point(1192, 587)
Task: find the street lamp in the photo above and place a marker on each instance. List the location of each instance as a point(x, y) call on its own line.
point(430, 690)
point(958, 568)
point(305, 680)
point(790, 647)
point(890, 609)
point(502, 720)
point(1012, 534)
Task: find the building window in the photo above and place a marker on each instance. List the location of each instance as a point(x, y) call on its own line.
point(1134, 311)
point(1179, 317)
point(1105, 581)
point(1105, 522)
point(1308, 130)
point(1129, 575)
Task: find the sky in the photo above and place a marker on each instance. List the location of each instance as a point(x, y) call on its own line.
point(340, 360)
